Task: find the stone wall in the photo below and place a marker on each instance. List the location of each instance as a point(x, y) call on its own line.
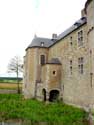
point(90, 34)
point(32, 69)
point(76, 86)
point(51, 77)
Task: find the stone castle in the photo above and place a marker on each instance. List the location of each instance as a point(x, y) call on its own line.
point(63, 67)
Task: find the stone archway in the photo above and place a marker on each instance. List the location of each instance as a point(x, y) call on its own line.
point(54, 95)
point(44, 94)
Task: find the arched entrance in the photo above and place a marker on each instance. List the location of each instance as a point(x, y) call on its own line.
point(54, 94)
point(44, 94)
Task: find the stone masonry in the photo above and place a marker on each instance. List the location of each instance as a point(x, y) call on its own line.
point(63, 67)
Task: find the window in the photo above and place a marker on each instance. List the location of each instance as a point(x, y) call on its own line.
point(42, 43)
point(80, 38)
point(70, 67)
point(42, 59)
point(71, 41)
point(80, 64)
point(71, 38)
point(54, 72)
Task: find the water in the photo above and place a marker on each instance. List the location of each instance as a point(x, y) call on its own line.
point(29, 122)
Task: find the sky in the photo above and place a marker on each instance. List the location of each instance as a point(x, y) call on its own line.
point(20, 20)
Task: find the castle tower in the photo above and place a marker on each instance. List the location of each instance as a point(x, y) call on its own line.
point(51, 77)
point(36, 56)
point(89, 10)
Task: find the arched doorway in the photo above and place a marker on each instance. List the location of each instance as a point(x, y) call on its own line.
point(54, 94)
point(44, 94)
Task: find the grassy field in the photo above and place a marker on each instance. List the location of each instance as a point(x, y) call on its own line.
point(10, 85)
point(14, 106)
point(10, 80)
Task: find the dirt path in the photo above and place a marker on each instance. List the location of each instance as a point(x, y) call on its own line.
point(6, 91)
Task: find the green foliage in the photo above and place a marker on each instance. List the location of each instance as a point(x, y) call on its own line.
point(13, 106)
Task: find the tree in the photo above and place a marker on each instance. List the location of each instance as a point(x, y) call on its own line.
point(15, 65)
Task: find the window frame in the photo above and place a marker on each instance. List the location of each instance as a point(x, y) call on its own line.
point(41, 59)
point(80, 38)
point(81, 65)
point(71, 67)
point(70, 41)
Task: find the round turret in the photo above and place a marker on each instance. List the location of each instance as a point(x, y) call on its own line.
point(89, 9)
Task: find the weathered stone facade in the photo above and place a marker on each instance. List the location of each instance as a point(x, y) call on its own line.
point(63, 67)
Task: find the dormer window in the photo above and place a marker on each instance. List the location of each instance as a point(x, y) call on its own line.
point(42, 43)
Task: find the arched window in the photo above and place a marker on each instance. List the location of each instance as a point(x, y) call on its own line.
point(42, 59)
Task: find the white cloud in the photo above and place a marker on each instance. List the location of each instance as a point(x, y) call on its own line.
point(21, 19)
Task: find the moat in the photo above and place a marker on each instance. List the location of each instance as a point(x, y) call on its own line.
point(29, 122)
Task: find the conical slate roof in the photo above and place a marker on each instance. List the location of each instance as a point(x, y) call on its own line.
point(40, 42)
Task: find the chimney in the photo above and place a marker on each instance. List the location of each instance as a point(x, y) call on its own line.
point(54, 36)
point(83, 13)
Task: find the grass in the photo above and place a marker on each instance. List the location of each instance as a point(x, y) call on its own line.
point(9, 80)
point(9, 85)
point(13, 106)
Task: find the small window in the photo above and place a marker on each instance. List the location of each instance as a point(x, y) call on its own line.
point(70, 67)
point(42, 59)
point(71, 41)
point(70, 62)
point(80, 64)
point(80, 38)
point(71, 38)
point(54, 72)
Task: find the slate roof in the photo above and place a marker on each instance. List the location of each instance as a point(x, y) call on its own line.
point(40, 42)
point(37, 41)
point(74, 27)
point(54, 61)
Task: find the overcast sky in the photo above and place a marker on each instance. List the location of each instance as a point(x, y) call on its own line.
point(20, 20)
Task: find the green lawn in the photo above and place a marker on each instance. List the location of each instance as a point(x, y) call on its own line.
point(13, 106)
